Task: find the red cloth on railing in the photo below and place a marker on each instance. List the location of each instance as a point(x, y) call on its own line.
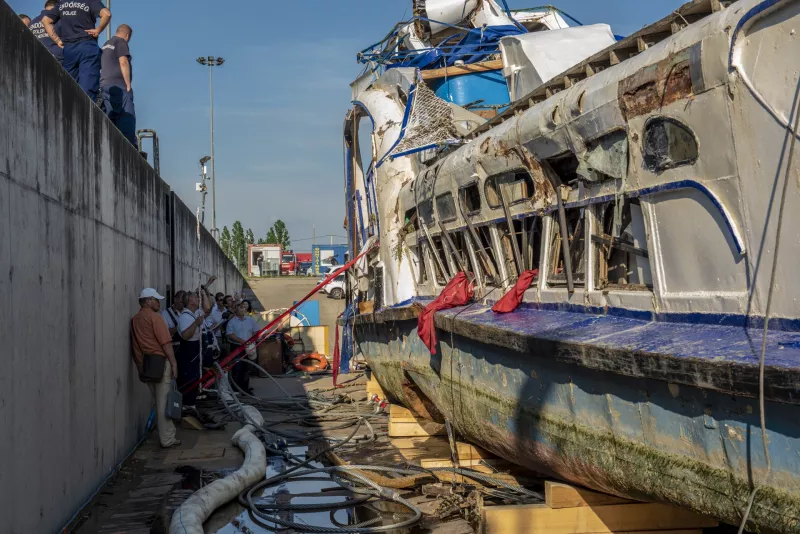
point(457, 293)
point(513, 298)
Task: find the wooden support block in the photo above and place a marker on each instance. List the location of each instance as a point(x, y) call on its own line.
point(374, 388)
point(366, 307)
point(440, 448)
point(618, 518)
point(558, 495)
point(400, 414)
point(402, 423)
point(420, 443)
point(410, 429)
point(477, 464)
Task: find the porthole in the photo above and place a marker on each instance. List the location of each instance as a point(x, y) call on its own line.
point(668, 143)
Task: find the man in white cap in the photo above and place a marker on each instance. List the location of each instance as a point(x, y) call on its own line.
point(150, 335)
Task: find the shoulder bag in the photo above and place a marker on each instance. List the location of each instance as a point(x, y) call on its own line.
point(153, 365)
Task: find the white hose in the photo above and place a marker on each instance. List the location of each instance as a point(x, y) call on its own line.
point(189, 518)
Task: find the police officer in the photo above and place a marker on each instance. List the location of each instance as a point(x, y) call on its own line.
point(116, 76)
point(37, 27)
point(26, 20)
point(79, 39)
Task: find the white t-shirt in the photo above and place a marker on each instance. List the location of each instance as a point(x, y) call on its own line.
point(214, 318)
point(186, 319)
point(168, 318)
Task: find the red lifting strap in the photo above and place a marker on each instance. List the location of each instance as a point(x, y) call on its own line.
point(513, 298)
point(457, 293)
point(208, 378)
point(337, 355)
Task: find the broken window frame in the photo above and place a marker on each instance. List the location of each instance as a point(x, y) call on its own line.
point(555, 259)
point(657, 167)
point(560, 169)
point(423, 211)
point(605, 245)
point(487, 245)
point(491, 181)
point(439, 214)
point(438, 248)
point(418, 255)
point(530, 251)
point(411, 218)
point(462, 197)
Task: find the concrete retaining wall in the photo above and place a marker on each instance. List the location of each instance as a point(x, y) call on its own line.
point(84, 226)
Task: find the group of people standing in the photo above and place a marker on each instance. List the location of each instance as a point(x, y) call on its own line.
point(197, 329)
point(69, 30)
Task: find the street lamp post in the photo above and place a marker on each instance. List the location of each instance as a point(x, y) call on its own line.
point(201, 187)
point(212, 62)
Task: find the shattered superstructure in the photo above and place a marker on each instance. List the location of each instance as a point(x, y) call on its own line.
point(646, 182)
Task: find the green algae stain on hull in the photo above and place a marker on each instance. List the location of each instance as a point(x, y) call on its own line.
point(641, 439)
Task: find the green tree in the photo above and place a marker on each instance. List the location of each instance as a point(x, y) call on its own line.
point(225, 242)
point(249, 237)
point(279, 234)
point(239, 247)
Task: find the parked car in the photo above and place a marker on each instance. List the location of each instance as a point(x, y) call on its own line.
point(325, 267)
point(335, 288)
point(304, 267)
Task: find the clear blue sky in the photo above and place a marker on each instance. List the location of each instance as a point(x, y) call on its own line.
point(280, 98)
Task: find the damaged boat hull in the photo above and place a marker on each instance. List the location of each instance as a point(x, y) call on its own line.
point(635, 437)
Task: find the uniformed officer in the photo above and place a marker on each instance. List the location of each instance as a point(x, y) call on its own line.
point(116, 77)
point(79, 39)
point(37, 27)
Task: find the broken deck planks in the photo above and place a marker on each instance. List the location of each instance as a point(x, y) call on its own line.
point(558, 495)
point(535, 518)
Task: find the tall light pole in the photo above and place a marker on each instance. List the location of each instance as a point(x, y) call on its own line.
point(201, 187)
point(108, 28)
point(212, 62)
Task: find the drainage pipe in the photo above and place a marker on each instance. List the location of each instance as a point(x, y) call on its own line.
point(189, 518)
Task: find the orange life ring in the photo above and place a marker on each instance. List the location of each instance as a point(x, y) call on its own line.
point(322, 362)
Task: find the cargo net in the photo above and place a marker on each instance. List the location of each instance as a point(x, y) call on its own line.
point(430, 122)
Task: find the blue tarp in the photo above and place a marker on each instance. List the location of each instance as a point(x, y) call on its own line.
point(347, 339)
point(475, 46)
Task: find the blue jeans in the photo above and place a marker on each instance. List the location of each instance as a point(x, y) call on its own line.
point(118, 105)
point(82, 61)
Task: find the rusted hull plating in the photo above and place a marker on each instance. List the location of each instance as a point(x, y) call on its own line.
point(643, 439)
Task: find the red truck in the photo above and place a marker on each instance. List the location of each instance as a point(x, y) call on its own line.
point(291, 262)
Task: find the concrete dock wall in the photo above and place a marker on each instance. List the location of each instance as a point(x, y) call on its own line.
point(85, 224)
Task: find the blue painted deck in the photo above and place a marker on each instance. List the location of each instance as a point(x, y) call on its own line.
point(731, 344)
point(717, 357)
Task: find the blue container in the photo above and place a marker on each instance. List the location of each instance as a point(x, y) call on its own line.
point(321, 254)
point(466, 88)
point(308, 313)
